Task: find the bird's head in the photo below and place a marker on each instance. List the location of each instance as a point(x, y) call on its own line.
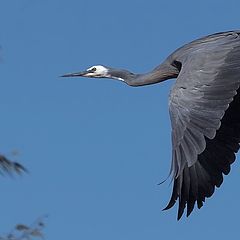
point(100, 71)
point(97, 71)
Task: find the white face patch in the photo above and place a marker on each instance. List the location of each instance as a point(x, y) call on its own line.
point(97, 71)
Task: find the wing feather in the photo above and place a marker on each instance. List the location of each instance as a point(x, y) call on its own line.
point(205, 125)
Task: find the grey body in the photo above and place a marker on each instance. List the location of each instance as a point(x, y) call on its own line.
point(204, 108)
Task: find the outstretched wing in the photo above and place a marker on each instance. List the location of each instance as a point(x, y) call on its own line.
point(204, 111)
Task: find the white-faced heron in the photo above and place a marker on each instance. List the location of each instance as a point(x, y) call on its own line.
point(204, 106)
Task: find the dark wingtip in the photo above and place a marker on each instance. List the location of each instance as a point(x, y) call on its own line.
point(199, 204)
point(173, 197)
point(162, 182)
point(179, 215)
point(170, 204)
point(181, 208)
point(190, 207)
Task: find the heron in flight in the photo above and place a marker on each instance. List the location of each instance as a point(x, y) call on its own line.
point(204, 108)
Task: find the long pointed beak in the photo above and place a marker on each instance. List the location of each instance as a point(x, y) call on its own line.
point(77, 74)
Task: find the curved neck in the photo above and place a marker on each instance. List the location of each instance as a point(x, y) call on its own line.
point(159, 74)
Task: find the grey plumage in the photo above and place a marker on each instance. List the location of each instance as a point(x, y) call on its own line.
point(204, 110)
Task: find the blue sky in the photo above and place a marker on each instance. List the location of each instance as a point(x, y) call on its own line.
point(96, 148)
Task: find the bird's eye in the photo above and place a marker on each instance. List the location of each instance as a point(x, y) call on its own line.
point(93, 69)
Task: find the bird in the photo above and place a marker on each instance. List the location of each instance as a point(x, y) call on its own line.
point(204, 105)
